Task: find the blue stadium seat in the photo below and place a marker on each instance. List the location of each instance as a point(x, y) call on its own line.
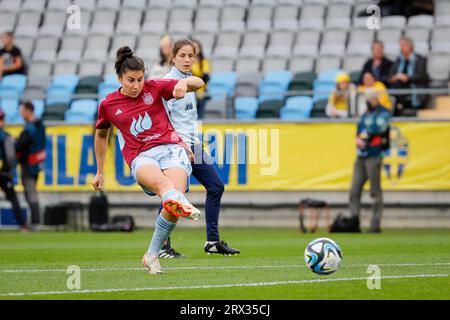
point(222, 84)
point(11, 109)
point(246, 107)
point(325, 83)
point(58, 94)
point(9, 92)
point(17, 81)
point(71, 116)
point(39, 106)
point(105, 88)
point(69, 81)
point(297, 108)
point(86, 106)
point(274, 85)
point(111, 79)
point(283, 77)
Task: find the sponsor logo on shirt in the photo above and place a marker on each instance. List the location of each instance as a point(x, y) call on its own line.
point(140, 125)
point(118, 112)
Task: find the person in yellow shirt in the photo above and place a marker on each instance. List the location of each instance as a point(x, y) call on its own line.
point(201, 68)
point(369, 82)
point(341, 98)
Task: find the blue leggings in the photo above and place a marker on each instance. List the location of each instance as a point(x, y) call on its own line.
point(207, 175)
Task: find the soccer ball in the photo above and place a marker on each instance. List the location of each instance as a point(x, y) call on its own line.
point(323, 256)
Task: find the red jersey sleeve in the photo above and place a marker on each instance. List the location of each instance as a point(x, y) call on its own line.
point(165, 87)
point(102, 120)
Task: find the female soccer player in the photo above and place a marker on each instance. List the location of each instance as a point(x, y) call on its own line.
point(183, 115)
point(151, 147)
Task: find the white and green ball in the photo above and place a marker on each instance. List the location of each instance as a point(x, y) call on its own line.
point(323, 256)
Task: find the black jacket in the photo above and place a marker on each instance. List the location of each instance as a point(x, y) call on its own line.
point(384, 67)
point(420, 77)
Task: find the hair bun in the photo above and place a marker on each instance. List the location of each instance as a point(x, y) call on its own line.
point(124, 52)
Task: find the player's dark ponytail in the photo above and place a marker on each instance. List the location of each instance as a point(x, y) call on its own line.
point(126, 60)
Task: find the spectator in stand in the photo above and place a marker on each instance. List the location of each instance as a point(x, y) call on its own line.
point(11, 60)
point(201, 68)
point(341, 98)
point(409, 72)
point(369, 82)
point(160, 69)
point(378, 65)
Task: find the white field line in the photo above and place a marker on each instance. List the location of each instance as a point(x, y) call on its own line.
point(224, 267)
point(232, 285)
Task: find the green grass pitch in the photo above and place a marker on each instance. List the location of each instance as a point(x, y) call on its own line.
point(414, 264)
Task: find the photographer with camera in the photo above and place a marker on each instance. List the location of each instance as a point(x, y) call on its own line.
point(372, 140)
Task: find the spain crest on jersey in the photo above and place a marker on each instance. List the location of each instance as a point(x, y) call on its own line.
point(396, 157)
point(147, 98)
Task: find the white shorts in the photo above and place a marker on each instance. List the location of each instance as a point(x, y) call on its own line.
point(164, 156)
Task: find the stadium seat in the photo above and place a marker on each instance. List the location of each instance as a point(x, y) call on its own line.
point(398, 22)
point(421, 21)
point(90, 68)
point(285, 17)
point(16, 81)
point(7, 21)
point(253, 44)
point(247, 84)
point(155, 20)
point(232, 18)
point(245, 107)
point(302, 81)
point(438, 66)
point(53, 23)
point(297, 64)
point(71, 46)
point(222, 65)
point(109, 85)
point(27, 24)
point(65, 67)
point(88, 106)
point(58, 94)
point(39, 107)
point(10, 6)
point(269, 109)
point(222, 84)
point(280, 44)
point(39, 74)
point(81, 111)
point(215, 109)
point(325, 83)
point(319, 107)
point(353, 63)
point(11, 108)
point(88, 84)
point(26, 45)
point(273, 64)
point(247, 65)
point(296, 108)
point(60, 5)
point(70, 81)
point(259, 17)
point(45, 48)
point(55, 112)
point(274, 85)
